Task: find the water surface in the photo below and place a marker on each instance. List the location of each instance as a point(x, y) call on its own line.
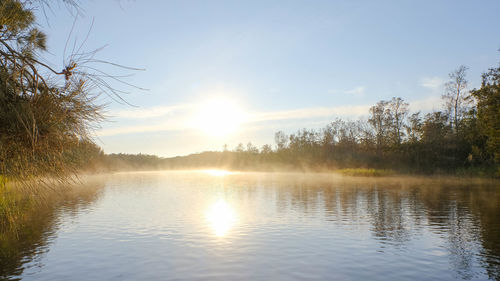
point(209, 225)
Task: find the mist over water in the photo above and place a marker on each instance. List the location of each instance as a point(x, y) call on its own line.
point(217, 225)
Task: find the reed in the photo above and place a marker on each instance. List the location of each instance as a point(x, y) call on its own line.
point(363, 172)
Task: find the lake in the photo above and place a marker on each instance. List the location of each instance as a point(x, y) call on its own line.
point(217, 225)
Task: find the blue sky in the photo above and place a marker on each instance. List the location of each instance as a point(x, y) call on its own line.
point(285, 64)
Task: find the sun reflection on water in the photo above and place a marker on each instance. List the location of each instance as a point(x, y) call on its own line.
point(221, 217)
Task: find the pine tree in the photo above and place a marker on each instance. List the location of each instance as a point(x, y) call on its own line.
point(44, 113)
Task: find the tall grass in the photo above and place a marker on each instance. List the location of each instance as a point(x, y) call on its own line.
point(27, 218)
point(14, 203)
point(362, 172)
point(18, 200)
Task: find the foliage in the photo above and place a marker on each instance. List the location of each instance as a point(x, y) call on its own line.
point(46, 115)
point(488, 112)
point(123, 161)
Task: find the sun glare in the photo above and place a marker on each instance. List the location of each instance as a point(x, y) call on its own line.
point(219, 117)
point(218, 173)
point(221, 217)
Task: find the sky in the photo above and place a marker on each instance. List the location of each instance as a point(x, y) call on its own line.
point(225, 72)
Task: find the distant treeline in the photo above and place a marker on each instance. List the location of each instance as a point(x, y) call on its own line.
point(463, 137)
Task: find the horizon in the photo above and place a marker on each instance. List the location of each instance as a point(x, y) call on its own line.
point(229, 73)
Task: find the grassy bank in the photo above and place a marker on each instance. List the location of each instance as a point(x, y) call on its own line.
point(18, 201)
point(28, 217)
point(362, 172)
point(13, 205)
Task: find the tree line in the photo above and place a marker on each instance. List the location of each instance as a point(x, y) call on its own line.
point(463, 137)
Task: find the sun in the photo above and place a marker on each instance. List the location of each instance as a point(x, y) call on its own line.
point(219, 117)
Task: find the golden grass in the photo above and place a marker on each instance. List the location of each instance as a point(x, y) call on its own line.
point(363, 172)
point(13, 205)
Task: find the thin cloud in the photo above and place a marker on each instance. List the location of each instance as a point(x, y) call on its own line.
point(426, 105)
point(309, 113)
point(184, 116)
point(183, 119)
point(432, 83)
point(171, 126)
point(356, 91)
point(152, 112)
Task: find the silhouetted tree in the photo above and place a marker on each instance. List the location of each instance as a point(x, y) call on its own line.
point(457, 99)
point(397, 110)
point(281, 140)
point(378, 120)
